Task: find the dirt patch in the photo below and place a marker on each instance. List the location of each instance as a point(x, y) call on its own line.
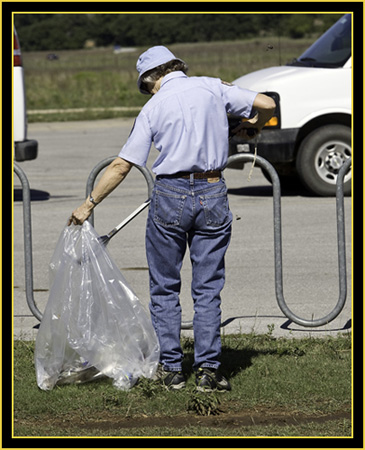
point(221, 421)
point(224, 420)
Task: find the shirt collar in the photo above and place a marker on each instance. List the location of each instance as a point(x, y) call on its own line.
point(171, 76)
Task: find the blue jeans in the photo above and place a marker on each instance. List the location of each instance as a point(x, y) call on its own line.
point(196, 213)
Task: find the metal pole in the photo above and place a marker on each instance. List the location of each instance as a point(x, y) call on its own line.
point(28, 258)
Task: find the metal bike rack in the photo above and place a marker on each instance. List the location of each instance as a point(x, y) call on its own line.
point(28, 257)
point(278, 241)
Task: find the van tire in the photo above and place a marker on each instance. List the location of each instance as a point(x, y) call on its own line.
point(321, 155)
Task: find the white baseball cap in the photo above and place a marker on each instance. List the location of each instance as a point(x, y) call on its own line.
point(151, 58)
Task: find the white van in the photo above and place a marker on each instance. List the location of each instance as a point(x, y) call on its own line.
point(24, 149)
point(310, 134)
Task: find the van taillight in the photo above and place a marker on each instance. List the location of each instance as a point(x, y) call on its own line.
point(17, 53)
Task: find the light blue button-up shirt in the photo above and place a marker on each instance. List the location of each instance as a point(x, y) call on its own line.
point(187, 122)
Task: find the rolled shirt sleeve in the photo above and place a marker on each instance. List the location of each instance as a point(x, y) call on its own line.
point(238, 101)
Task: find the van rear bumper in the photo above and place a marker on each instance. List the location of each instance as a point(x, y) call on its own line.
point(277, 146)
point(26, 150)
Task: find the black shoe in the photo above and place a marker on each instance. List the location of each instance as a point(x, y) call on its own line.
point(209, 380)
point(170, 380)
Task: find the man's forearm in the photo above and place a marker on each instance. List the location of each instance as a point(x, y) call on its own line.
point(265, 107)
point(112, 177)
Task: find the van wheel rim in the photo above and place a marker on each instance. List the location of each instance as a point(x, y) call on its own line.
point(329, 160)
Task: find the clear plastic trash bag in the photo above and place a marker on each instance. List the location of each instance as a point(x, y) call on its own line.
point(93, 324)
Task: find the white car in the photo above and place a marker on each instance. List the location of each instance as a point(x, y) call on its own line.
point(310, 134)
point(24, 149)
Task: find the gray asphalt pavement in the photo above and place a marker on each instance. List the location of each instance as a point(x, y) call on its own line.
point(67, 154)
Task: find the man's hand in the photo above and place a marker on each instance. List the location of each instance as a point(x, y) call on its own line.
point(248, 129)
point(81, 213)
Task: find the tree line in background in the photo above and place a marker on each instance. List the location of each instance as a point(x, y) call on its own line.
point(75, 31)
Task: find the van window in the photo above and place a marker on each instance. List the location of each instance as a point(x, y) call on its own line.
point(332, 49)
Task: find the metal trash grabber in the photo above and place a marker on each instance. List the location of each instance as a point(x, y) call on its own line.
point(106, 238)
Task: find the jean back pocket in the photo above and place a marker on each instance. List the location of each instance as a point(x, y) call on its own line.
point(168, 208)
point(216, 208)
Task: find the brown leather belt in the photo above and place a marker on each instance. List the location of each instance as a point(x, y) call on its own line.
point(197, 175)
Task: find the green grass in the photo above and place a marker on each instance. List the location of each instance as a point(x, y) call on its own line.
point(99, 78)
point(280, 387)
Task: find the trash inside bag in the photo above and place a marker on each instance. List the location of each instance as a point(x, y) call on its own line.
point(93, 325)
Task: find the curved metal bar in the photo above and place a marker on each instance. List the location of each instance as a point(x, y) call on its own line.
point(104, 163)
point(28, 257)
point(278, 241)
